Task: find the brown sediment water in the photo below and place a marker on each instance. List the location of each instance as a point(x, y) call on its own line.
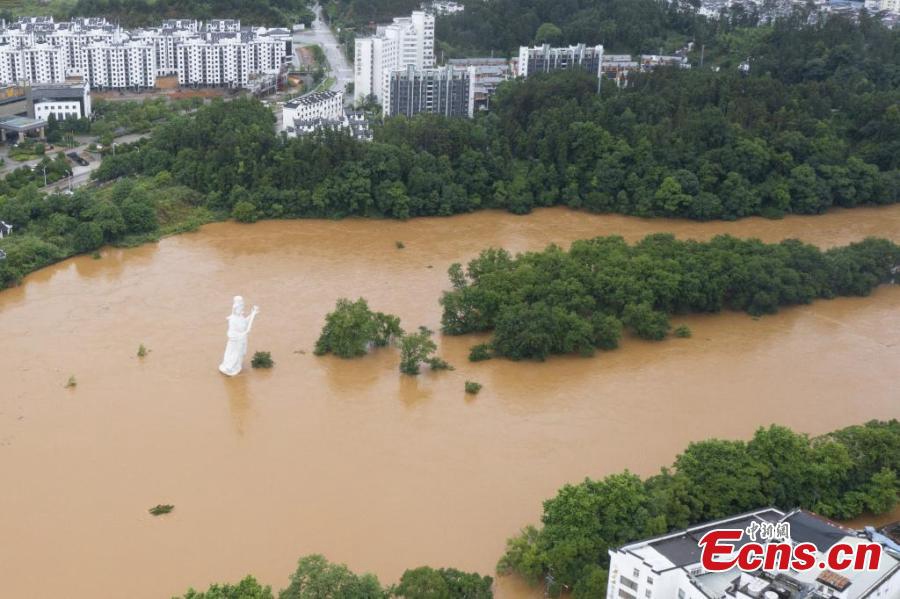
point(350, 458)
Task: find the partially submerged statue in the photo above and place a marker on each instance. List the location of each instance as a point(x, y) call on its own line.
point(238, 330)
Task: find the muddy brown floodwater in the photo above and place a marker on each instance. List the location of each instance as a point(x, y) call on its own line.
point(349, 458)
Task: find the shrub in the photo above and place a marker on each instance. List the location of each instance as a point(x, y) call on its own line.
point(142, 351)
point(418, 348)
point(71, 383)
point(400, 245)
point(480, 352)
point(244, 212)
point(682, 331)
point(262, 359)
point(472, 388)
point(161, 509)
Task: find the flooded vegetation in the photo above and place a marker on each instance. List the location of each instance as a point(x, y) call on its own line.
point(350, 458)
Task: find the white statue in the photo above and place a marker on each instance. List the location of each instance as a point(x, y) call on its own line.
point(238, 330)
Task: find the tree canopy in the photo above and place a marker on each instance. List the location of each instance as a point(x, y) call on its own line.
point(559, 302)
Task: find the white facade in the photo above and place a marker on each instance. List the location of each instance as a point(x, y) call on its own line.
point(40, 63)
point(318, 105)
point(116, 65)
point(880, 5)
point(668, 567)
point(62, 101)
point(60, 109)
point(221, 53)
point(406, 41)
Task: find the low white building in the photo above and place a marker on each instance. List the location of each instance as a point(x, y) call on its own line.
point(668, 566)
point(327, 105)
point(62, 101)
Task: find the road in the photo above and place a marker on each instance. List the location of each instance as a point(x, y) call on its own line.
point(320, 33)
point(81, 175)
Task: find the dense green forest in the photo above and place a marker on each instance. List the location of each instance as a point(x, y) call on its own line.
point(501, 26)
point(817, 126)
point(558, 302)
point(317, 578)
point(841, 474)
point(141, 13)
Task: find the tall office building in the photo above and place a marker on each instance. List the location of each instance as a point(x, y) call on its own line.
point(436, 90)
point(406, 41)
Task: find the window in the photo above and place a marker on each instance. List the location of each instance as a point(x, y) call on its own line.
point(627, 582)
point(637, 573)
point(649, 580)
point(623, 594)
point(680, 593)
point(648, 593)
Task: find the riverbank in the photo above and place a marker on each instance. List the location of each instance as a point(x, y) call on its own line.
point(351, 459)
point(838, 226)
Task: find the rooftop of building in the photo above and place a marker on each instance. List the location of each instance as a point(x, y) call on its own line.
point(680, 550)
point(20, 124)
point(312, 99)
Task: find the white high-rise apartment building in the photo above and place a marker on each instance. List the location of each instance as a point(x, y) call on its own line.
point(218, 53)
point(119, 64)
point(407, 41)
point(37, 63)
point(880, 5)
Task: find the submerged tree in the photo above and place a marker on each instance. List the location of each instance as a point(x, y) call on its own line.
point(353, 327)
point(418, 348)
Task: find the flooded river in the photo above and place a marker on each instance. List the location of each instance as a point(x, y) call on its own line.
point(349, 458)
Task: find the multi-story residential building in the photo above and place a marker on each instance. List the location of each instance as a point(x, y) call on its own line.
point(444, 7)
point(219, 53)
point(545, 59)
point(119, 64)
point(317, 105)
point(668, 566)
point(488, 73)
point(39, 62)
point(438, 90)
point(406, 41)
point(883, 5)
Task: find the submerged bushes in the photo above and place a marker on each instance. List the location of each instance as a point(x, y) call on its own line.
point(559, 302)
point(352, 327)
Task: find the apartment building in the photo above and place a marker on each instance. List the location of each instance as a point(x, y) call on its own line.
point(218, 53)
point(317, 105)
point(668, 566)
point(449, 91)
point(406, 41)
point(39, 62)
point(118, 64)
point(883, 5)
point(546, 59)
point(488, 73)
